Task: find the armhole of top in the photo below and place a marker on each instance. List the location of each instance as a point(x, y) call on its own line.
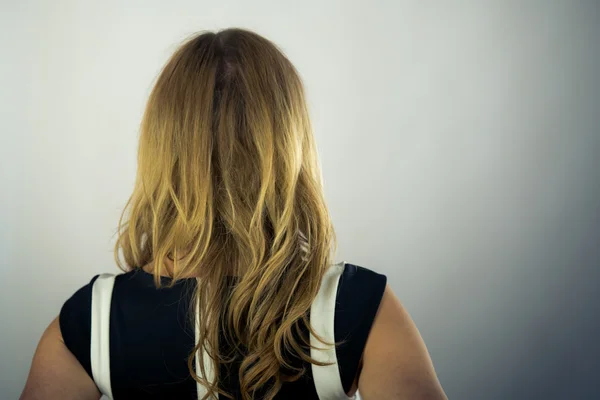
point(75, 320)
point(359, 295)
point(102, 291)
point(327, 379)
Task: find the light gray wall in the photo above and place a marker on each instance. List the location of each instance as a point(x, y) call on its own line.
point(460, 145)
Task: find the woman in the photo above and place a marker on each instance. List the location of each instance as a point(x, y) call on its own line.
point(228, 290)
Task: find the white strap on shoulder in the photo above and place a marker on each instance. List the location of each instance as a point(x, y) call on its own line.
point(100, 332)
point(322, 312)
point(208, 364)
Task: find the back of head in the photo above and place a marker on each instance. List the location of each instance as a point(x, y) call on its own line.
point(228, 184)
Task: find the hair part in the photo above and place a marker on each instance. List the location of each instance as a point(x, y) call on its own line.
point(229, 184)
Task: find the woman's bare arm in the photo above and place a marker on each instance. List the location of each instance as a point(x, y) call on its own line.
point(55, 372)
point(396, 364)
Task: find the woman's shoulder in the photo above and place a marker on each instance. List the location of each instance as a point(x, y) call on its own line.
point(78, 302)
point(359, 294)
point(360, 290)
point(75, 322)
point(357, 276)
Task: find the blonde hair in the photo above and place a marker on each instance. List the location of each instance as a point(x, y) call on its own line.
point(229, 184)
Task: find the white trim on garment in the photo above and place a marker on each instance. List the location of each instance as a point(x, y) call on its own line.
point(208, 363)
point(100, 332)
point(328, 382)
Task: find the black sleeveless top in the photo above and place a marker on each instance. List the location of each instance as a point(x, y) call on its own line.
point(151, 335)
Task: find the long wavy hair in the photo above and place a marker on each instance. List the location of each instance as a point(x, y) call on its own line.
point(229, 185)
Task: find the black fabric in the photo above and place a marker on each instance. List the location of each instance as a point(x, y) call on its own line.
point(151, 335)
point(359, 294)
point(75, 320)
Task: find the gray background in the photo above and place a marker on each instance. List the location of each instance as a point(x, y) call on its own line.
point(460, 147)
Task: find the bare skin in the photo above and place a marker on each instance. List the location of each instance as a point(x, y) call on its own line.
point(395, 363)
point(55, 372)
